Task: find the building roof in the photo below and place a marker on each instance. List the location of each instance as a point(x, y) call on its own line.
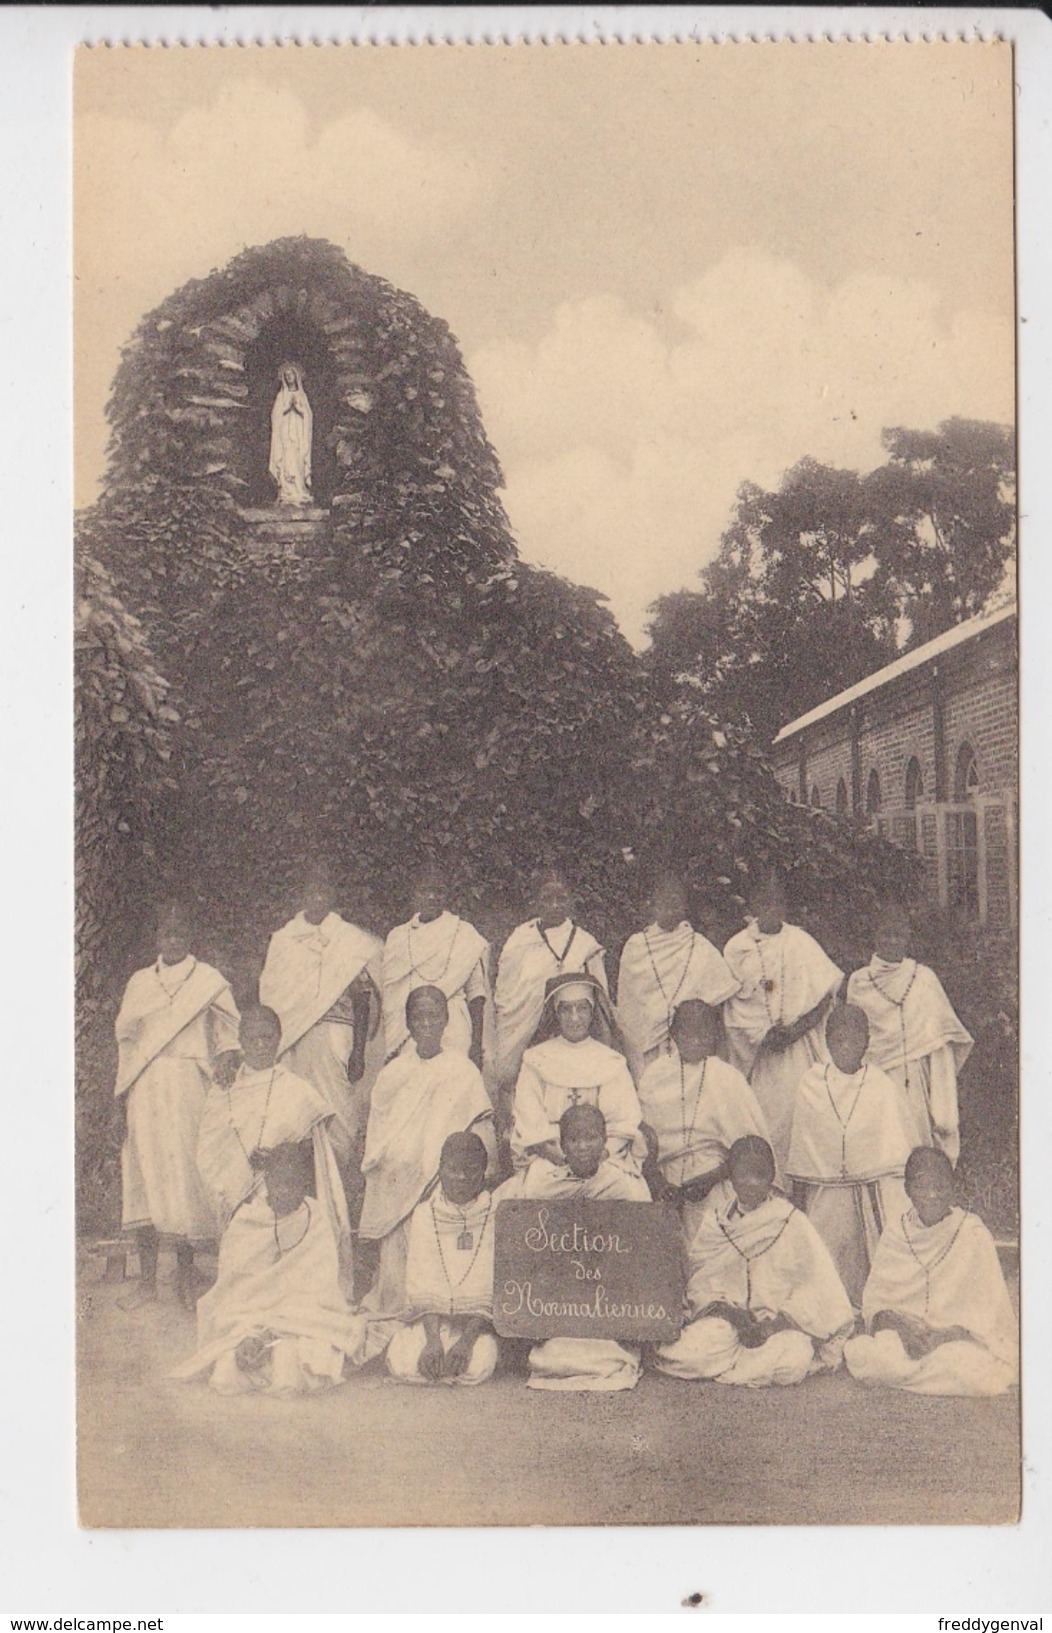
point(950, 638)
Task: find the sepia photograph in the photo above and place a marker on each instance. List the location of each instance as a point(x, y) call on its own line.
point(547, 760)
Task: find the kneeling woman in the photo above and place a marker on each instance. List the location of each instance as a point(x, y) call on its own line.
point(448, 1337)
point(568, 1064)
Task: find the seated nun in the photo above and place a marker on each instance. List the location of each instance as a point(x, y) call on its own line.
point(571, 1062)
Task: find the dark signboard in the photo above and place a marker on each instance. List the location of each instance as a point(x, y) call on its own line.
point(588, 1270)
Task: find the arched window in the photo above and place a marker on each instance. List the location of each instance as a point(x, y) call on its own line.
point(873, 793)
point(914, 783)
point(962, 837)
point(792, 796)
point(966, 776)
point(841, 798)
point(816, 798)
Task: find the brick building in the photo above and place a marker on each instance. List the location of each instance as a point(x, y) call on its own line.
point(927, 750)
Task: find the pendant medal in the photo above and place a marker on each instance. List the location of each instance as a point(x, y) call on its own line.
point(465, 1242)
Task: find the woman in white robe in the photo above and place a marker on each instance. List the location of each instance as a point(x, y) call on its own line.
point(696, 1106)
point(322, 978)
point(277, 1320)
point(424, 1094)
point(774, 1022)
point(914, 1034)
point(850, 1139)
point(662, 966)
point(765, 1304)
point(939, 1319)
point(291, 435)
point(436, 948)
point(573, 1067)
point(448, 1335)
point(265, 1106)
point(176, 1019)
point(551, 943)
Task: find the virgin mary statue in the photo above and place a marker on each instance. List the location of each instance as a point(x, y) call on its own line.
point(291, 430)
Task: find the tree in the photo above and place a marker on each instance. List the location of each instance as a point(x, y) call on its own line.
point(943, 510)
point(788, 613)
point(822, 581)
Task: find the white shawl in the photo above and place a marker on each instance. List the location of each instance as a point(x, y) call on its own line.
point(310, 966)
point(415, 1105)
point(697, 1112)
point(445, 952)
point(782, 977)
point(947, 1274)
point(275, 1275)
point(848, 1128)
point(910, 1016)
point(154, 1012)
point(771, 1261)
point(661, 969)
point(442, 1277)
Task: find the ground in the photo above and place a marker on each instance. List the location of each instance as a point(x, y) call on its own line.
point(153, 1452)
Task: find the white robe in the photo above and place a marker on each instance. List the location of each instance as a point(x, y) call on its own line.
point(947, 1275)
point(305, 980)
point(851, 1137)
point(262, 1110)
point(446, 952)
point(449, 1273)
point(416, 1104)
point(697, 1112)
point(173, 1023)
point(771, 1262)
point(529, 959)
point(279, 1277)
point(782, 978)
point(557, 1074)
point(917, 1039)
point(661, 969)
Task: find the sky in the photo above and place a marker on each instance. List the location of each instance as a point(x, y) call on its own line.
point(670, 268)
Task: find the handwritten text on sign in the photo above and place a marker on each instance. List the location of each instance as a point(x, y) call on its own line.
point(588, 1270)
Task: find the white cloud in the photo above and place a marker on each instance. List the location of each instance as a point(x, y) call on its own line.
point(246, 168)
point(625, 439)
